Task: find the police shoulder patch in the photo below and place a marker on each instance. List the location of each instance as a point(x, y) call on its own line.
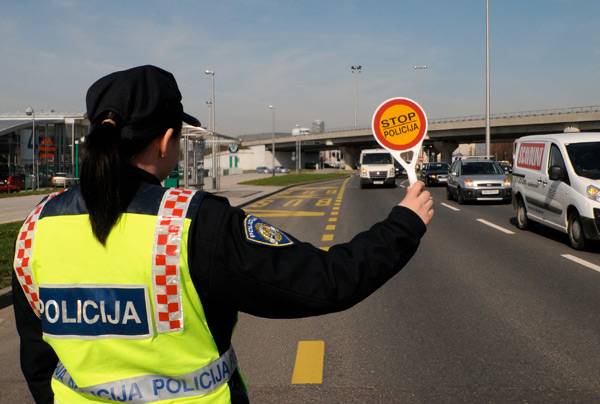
point(263, 233)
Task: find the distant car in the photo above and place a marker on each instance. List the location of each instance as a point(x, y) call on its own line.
point(435, 173)
point(310, 166)
point(506, 166)
point(281, 170)
point(62, 180)
point(263, 170)
point(478, 180)
point(12, 183)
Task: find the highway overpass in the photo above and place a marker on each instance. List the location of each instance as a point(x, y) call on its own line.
point(447, 133)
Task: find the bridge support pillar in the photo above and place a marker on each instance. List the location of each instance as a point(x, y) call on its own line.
point(350, 157)
point(445, 148)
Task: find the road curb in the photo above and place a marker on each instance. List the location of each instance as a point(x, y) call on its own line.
point(6, 293)
point(5, 297)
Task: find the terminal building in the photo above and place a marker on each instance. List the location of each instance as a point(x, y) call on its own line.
point(52, 150)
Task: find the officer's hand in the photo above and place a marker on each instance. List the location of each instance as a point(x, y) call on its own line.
point(419, 201)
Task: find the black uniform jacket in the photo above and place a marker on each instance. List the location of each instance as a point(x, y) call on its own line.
point(233, 274)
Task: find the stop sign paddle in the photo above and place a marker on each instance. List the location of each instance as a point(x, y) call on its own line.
point(399, 125)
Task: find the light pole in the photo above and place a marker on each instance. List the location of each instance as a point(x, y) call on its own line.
point(272, 108)
point(487, 78)
point(31, 112)
point(215, 181)
point(419, 80)
point(355, 69)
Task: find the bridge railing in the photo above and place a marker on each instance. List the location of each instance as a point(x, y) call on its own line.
point(502, 115)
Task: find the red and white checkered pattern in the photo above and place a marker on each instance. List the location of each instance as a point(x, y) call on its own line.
point(166, 280)
point(23, 255)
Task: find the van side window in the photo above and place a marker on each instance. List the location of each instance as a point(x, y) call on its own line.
point(556, 159)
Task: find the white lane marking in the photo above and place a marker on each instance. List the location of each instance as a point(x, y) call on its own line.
point(582, 262)
point(495, 226)
point(450, 207)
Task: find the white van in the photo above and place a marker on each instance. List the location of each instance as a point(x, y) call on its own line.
point(556, 182)
point(377, 168)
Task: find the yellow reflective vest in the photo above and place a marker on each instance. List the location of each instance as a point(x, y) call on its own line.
point(124, 319)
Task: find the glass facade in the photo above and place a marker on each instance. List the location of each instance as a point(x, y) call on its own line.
point(53, 153)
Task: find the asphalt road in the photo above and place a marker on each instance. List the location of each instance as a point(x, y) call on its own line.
point(480, 314)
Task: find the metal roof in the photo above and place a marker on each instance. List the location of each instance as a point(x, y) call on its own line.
point(9, 126)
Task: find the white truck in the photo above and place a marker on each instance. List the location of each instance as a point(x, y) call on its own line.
point(376, 168)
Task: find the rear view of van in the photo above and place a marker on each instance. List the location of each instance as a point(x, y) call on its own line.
point(377, 168)
point(556, 182)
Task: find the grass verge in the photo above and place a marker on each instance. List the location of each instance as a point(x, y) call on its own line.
point(291, 179)
point(8, 235)
point(45, 191)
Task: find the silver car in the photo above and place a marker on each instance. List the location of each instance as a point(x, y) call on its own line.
point(478, 180)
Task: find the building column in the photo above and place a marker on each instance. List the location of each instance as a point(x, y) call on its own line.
point(446, 148)
point(350, 157)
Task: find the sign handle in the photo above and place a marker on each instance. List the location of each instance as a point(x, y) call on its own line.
point(409, 167)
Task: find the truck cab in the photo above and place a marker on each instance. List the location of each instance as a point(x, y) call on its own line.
point(377, 168)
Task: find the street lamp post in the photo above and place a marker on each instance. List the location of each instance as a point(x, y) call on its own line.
point(356, 69)
point(31, 112)
point(215, 181)
point(272, 108)
point(487, 78)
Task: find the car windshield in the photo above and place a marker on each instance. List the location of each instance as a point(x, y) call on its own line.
point(481, 168)
point(438, 167)
point(585, 158)
point(377, 158)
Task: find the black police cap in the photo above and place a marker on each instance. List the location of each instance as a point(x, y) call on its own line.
point(145, 99)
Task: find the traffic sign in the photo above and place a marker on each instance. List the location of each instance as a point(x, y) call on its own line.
point(399, 125)
point(233, 148)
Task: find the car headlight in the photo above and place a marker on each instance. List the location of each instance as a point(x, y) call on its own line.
point(392, 172)
point(506, 182)
point(363, 172)
point(468, 182)
point(593, 193)
point(433, 176)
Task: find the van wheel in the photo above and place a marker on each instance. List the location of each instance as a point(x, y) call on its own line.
point(575, 229)
point(460, 197)
point(448, 194)
point(522, 221)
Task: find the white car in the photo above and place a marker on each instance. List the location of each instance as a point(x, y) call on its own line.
point(377, 168)
point(62, 180)
point(556, 182)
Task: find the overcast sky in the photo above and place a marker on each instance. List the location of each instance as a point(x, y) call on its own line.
point(297, 55)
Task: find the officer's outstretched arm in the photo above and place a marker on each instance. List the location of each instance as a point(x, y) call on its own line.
point(264, 272)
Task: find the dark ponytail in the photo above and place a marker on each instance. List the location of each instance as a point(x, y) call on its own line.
point(101, 178)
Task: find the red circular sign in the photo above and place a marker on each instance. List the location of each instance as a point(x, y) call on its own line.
point(399, 124)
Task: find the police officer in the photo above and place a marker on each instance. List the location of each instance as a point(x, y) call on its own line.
point(125, 291)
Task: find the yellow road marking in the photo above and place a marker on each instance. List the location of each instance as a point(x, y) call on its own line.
point(332, 219)
point(334, 213)
point(284, 213)
point(301, 196)
point(330, 227)
point(323, 202)
point(308, 368)
point(335, 208)
point(315, 188)
point(326, 248)
point(293, 203)
point(261, 203)
point(327, 237)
